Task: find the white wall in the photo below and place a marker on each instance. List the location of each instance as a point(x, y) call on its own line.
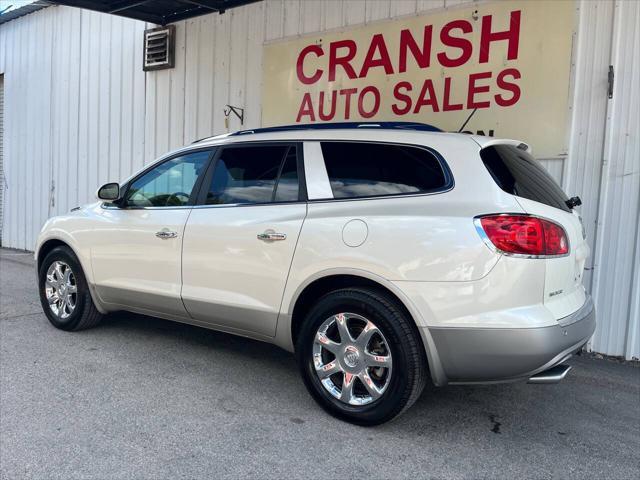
point(616, 282)
point(74, 112)
point(80, 112)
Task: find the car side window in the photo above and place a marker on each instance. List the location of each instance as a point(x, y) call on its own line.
point(254, 174)
point(170, 184)
point(361, 169)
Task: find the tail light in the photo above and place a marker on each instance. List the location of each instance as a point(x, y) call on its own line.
point(523, 235)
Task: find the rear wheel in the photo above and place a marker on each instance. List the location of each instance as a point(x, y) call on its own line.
point(361, 357)
point(64, 293)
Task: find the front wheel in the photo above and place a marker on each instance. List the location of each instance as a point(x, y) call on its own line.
point(361, 357)
point(64, 293)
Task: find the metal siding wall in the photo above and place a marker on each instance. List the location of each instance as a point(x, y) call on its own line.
point(632, 348)
point(27, 138)
point(582, 168)
point(554, 166)
point(219, 62)
point(1, 151)
point(615, 284)
point(98, 104)
point(73, 80)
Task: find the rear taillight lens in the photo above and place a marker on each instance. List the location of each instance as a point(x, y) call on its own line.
point(524, 235)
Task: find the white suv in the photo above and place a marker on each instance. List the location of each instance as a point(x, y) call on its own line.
point(380, 254)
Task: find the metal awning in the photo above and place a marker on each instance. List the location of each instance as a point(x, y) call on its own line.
point(13, 12)
point(156, 11)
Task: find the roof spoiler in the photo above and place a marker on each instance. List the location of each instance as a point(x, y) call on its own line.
point(483, 143)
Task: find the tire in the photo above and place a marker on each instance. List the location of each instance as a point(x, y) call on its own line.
point(401, 380)
point(84, 313)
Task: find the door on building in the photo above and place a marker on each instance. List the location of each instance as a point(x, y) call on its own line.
point(240, 239)
point(136, 254)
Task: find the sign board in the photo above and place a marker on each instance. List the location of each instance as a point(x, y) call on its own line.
point(510, 60)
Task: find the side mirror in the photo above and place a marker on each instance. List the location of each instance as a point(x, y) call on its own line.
point(109, 192)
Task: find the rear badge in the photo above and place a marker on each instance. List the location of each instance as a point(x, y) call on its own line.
point(557, 292)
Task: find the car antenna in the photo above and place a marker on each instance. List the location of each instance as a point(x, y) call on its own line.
point(467, 120)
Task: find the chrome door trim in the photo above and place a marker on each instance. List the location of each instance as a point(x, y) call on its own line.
point(165, 234)
point(271, 236)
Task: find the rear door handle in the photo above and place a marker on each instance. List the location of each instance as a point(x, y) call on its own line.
point(271, 236)
point(165, 234)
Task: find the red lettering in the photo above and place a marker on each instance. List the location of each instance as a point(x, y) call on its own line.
point(306, 108)
point(317, 49)
point(343, 61)
point(446, 105)
point(509, 87)
point(347, 92)
point(402, 97)
point(474, 89)
point(331, 114)
point(427, 97)
point(407, 42)
point(376, 102)
point(377, 45)
point(512, 36)
point(462, 43)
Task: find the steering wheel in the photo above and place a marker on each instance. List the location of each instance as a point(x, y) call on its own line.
point(140, 199)
point(174, 196)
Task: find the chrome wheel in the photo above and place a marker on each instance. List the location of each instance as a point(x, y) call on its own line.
point(61, 289)
point(352, 359)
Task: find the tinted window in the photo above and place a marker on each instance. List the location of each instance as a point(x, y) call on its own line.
point(250, 175)
point(170, 184)
point(287, 188)
point(372, 169)
point(518, 173)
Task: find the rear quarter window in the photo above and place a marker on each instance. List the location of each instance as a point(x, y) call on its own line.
point(518, 173)
point(361, 169)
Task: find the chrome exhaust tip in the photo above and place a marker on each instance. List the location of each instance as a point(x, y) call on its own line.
point(552, 375)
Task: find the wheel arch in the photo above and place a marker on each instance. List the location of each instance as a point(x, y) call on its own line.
point(334, 279)
point(51, 243)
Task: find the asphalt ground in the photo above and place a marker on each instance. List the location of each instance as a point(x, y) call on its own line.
point(139, 397)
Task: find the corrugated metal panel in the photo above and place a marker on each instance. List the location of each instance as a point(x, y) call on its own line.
point(13, 11)
point(632, 348)
point(554, 166)
point(208, 78)
point(617, 254)
point(1, 151)
point(582, 168)
point(75, 95)
point(97, 115)
point(27, 136)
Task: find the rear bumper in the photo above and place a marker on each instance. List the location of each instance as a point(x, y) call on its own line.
point(486, 355)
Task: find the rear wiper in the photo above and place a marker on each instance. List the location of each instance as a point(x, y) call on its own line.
point(573, 202)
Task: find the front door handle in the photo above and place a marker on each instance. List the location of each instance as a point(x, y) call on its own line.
point(271, 236)
point(166, 233)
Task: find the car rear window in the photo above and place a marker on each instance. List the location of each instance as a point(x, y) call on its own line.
point(518, 173)
point(361, 169)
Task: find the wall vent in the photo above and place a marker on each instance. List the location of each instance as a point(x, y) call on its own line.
point(159, 48)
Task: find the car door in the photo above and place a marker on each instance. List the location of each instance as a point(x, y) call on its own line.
point(136, 257)
point(240, 239)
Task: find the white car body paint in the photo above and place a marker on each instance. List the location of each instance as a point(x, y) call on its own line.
point(423, 248)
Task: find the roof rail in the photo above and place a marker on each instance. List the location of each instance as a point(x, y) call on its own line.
point(422, 127)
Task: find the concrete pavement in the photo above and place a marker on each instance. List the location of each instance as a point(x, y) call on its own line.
point(139, 397)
